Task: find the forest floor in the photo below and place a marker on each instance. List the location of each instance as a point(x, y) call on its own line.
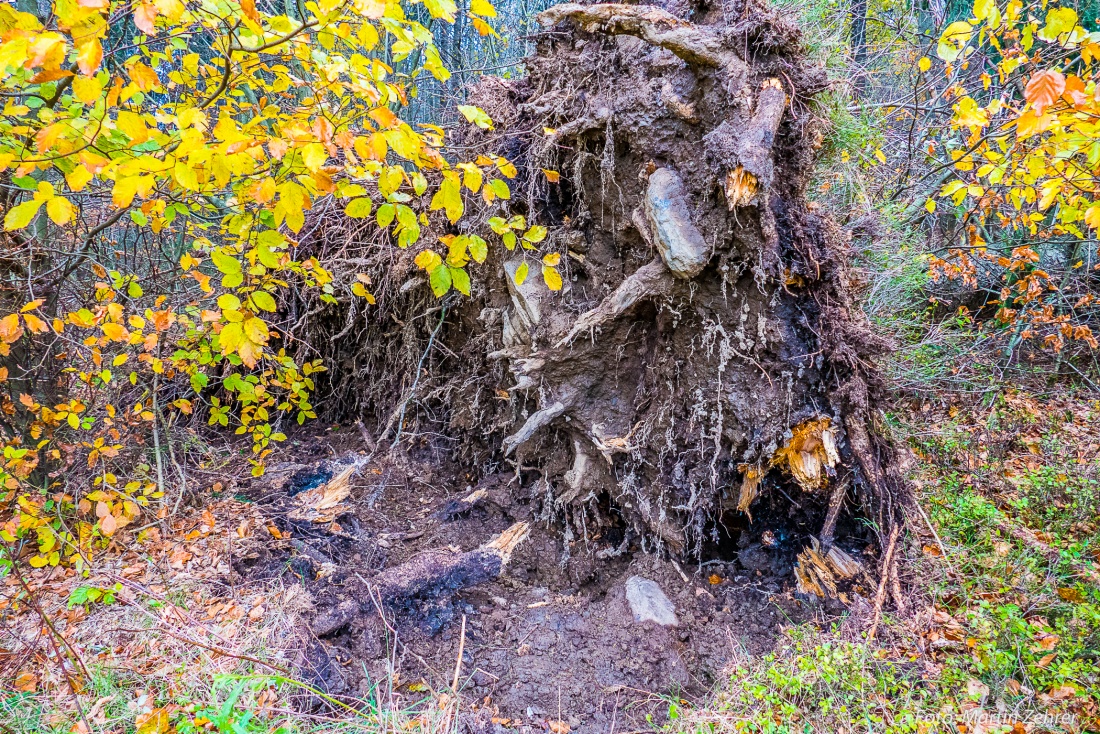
point(202, 623)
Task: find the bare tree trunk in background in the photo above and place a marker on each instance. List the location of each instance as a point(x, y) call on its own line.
point(857, 39)
point(457, 64)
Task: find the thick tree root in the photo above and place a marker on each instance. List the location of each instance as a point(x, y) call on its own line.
point(648, 281)
point(422, 589)
point(699, 46)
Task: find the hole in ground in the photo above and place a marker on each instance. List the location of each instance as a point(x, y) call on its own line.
point(555, 636)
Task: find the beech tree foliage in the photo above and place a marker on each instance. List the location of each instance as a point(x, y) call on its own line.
point(1026, 164)
point(158, 160)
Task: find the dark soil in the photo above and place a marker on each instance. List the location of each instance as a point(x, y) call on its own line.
point(553, 638)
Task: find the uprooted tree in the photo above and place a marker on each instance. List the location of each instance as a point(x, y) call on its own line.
point(703, 360)
point(227, 184)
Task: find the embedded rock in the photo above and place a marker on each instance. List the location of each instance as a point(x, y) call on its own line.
point(649, 603)
point(668, 210)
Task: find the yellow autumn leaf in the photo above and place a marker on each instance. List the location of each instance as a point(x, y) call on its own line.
point(115, 332)
point(87, 89)
point(78, 178)
point(483, 8)
point(60, 210)
point(20, 216)
point(255, 329)
point(552, 278)
point(953, 40)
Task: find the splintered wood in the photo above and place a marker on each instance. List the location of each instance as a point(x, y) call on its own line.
point(811, 453)
point(817, 572)
point(322, 504)
point(750, 487)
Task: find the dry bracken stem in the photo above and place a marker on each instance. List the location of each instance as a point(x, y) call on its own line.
point(884, 576)
point(458, 662)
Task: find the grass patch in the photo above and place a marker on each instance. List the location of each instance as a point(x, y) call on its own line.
point(1003, 633)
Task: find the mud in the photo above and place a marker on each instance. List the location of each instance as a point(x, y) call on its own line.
point(554, 637)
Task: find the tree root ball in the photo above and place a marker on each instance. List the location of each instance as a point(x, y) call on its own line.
point(704, 363)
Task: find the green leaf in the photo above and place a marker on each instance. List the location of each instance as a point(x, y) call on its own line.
point(263, 300)
point(20, 216)
point(440, 280)
point(478, 248)
point(227, 264)
point(500, 188)
point(477, 116)
point(198, 381)
point(536, 234)
point(229, 302)
point(460, 279)
point(359, 208)
point(385, 215)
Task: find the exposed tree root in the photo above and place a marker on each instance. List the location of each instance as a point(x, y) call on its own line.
point(704, 371)
point(422, 589)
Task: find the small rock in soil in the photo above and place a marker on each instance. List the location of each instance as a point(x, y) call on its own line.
point(649, 603)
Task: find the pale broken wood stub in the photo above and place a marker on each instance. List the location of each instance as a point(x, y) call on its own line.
point(322, 504)
point(810, 454)
point(817, 572)
point(750, 487)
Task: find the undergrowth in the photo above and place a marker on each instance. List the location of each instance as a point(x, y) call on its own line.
point(1002, 633)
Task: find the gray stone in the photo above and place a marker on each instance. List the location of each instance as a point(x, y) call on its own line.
point(668, 210)
point(649, 603)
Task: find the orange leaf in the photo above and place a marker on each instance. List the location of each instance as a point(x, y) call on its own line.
point(50, 75)
point(26, 681)
point(10, 330)
point(116, 332)
point(250, 12)
point(108, 525)
point(1044, 88)
point(144, 17)
point(35, 324)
